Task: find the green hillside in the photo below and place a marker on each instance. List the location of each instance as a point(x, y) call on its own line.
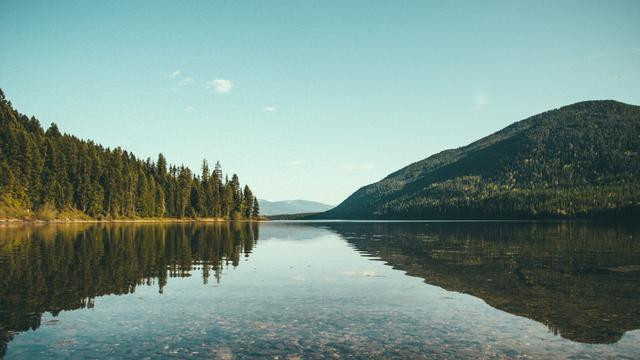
point(47, 175)
point(581, 160)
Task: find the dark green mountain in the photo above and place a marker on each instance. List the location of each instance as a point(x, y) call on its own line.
point(581, 160)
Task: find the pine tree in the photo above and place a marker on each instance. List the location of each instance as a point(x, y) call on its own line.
point(206, 201)
point(161, 166)
point(255, 212)
point(236, 207)
point(217, 190)
point(247, 202)
point(227, 201)
point(184, 195)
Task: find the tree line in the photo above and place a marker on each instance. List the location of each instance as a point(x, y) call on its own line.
point(50, 173)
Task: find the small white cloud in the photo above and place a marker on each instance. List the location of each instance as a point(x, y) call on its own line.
point(175, 74)
point(221, 86)
point(480, 99)
point(270, 109)
point(188, 109)
point(296, 162)
point(355, 167)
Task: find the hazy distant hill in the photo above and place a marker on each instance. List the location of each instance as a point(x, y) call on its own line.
point(581, 160)
point(291, 207)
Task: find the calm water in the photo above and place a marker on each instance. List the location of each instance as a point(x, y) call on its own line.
point(320, 290)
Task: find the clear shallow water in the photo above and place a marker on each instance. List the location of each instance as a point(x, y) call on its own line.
point(320, 290)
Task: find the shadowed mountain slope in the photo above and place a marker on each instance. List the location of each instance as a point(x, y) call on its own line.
point(581, 160)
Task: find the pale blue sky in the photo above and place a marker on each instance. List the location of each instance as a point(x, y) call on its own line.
point(313, 99)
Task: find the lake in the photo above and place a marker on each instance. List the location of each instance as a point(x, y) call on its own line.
point(291, 290)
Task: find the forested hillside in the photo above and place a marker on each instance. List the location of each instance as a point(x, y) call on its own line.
point(581, 160)
point(48, 174)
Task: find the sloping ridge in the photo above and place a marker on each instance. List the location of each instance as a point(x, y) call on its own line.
point(269, 208)
point(581, 146)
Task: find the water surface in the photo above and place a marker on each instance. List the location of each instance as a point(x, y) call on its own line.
point(320, 290)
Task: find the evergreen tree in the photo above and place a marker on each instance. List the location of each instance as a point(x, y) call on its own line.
point(184, 195)
point(54, 171)
point(255, 211)
point(217, 190)
point(236, 207)
point(247, 202)
point(227, 200)
point(161, 166)
point(206, 199)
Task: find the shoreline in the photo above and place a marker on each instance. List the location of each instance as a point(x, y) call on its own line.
point(7, 221)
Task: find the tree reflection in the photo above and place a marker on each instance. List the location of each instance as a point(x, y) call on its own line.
point(55, 268)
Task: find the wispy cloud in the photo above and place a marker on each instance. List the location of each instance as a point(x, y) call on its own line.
point(188, 109)
point(296, 162)
point(221, 86)
point(180, 79)
point(270, 109)
point(355, 167)
point(480, 99)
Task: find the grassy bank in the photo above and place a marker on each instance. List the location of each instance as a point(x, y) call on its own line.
point(132, 220)
point(11, 213)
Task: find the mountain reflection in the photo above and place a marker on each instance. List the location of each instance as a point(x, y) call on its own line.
point(55, 268)
point(582, 280)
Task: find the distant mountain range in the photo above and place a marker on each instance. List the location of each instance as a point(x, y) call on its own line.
point(269, 208)
point(581, 160)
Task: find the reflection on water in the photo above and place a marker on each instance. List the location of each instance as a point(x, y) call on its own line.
point(305, 291)
point(581, 280)
point(50, 269)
